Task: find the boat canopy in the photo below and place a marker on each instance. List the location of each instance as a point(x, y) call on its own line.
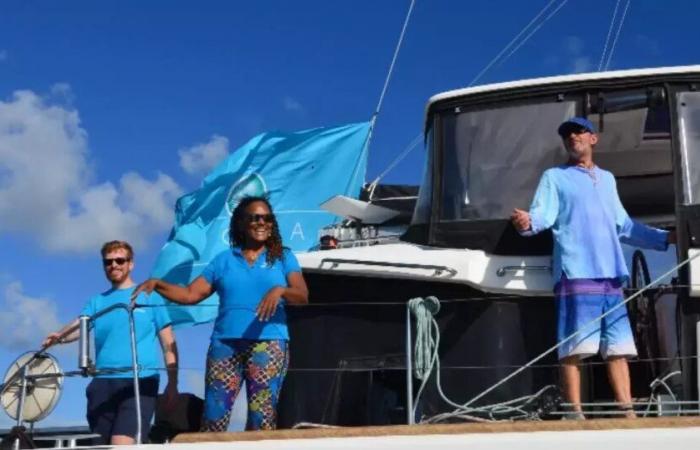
point(488, 147)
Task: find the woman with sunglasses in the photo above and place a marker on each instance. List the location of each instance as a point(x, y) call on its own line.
point(254, 279)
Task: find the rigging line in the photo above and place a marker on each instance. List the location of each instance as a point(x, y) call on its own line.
point(393, 59)
point(607, 39)
point(386, 368)
point(373, 121)
point(409, 148)
point(345, 303)
point(526, 38)
point(617, 34)
point(579, 331)
point(403, 303)
point(510, 44)
point(668, 288)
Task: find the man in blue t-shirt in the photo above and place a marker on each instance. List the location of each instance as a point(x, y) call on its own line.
point(579, 202)
point(111, 409)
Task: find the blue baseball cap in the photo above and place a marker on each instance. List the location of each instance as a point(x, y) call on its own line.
point(575, 123)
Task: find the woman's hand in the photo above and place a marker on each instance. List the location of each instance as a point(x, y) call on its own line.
point(268, 305)
point(147, 286)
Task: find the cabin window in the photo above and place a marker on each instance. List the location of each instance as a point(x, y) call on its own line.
point(634, 131)
point(689, 131)
point(493, 159)
point(635, 146)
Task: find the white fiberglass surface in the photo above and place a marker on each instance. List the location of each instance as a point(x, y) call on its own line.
point(640, 439)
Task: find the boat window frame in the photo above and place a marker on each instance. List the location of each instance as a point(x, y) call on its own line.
point(586, 92)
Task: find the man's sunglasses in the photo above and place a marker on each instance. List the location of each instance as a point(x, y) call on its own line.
point(120, 261)
point(576, 130)
point(255, 218)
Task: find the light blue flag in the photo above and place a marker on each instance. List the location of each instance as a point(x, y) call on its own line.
point(298, 171)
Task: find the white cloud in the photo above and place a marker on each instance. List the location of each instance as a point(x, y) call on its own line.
point(25, 320)
point(45, 182)
point(202, 157)
point(62, 92)
point(292, 105)
point(3, 55)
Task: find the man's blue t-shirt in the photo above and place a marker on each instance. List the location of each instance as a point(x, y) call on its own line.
point(112, 336)
point(241, 287)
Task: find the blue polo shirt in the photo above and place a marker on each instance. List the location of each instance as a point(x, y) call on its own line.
point(241, 287)
point(113, 339)
point(588, 221)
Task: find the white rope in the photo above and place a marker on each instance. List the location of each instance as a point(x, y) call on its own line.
point(581, 330)
point(516, 406)
point(535, 30)
point(662, 382)
point(393, 59)
point(426, 360)
point(414, 143)
point(617, 34)
point(511, 43)
point(607, 39)
point(426, 345)
point(427, 342)
point(373, 121)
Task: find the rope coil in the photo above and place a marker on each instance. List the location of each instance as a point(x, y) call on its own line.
point(424, 310)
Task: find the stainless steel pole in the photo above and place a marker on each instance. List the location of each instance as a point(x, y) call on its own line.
point(409, 368)
point(22, 397)
point(697, 358)
point(20, 406)
point(135, 367)
point(84, 344)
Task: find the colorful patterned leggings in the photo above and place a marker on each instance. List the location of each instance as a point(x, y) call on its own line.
point(261, 364)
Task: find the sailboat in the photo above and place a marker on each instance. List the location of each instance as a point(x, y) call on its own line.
point(486, 148)
point(354, 362)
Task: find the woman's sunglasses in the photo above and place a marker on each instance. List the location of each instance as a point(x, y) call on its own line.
point(120, 261)
point(255, 218)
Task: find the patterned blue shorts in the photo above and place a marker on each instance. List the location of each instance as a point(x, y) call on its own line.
point(581, 301)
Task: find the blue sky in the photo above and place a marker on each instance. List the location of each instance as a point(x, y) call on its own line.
point(111, 110)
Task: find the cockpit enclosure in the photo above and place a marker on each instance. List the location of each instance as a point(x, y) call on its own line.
point(487, 148)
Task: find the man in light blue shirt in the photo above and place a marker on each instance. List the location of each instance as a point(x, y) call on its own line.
point(111, 410)
point(579, 202)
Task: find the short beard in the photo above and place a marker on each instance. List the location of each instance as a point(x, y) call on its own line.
point(573, 155)
point(121, 279)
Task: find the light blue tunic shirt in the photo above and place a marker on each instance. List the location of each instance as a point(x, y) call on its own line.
point(112, 335)
point(241, 287)
point(588, 221)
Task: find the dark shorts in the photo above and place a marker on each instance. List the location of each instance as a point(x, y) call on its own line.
point(111, 408)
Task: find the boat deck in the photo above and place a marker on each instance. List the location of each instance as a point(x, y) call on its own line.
point(448, 429)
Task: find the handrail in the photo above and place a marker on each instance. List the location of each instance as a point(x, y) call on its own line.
point(134, 360)
point(505, 269)
point(438, 269)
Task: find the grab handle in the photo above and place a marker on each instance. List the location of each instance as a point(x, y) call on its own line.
point(505, 269)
